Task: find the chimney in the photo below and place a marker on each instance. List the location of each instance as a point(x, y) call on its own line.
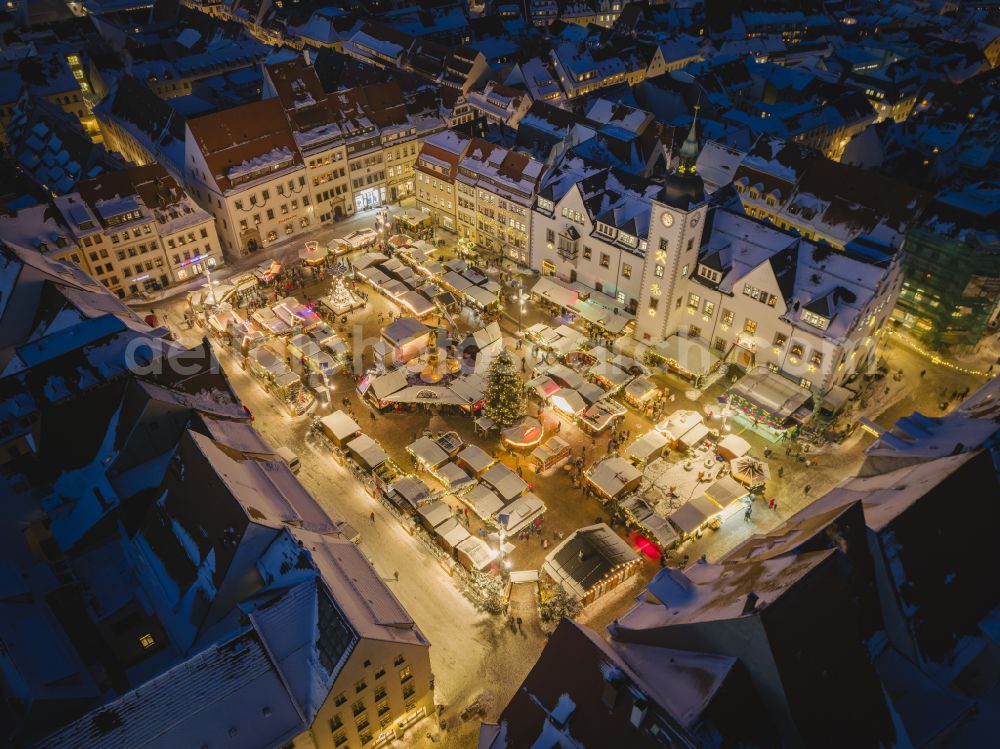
point(751, 604)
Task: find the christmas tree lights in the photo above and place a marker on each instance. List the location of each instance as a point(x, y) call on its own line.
point(504, 393)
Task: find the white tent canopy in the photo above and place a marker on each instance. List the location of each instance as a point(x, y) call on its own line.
point(647, 447)
point(751, 471)
point(520, 512)
point(733, 446)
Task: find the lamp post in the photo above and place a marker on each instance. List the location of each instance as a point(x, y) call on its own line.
point(211, 289)
point(520, 305)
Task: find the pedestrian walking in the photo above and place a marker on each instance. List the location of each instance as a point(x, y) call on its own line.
point(807, 488)
point(372, 518)
point(771, 503)
point(746, 516)
point(396, 575)
point(781, 472)
point(518, 624)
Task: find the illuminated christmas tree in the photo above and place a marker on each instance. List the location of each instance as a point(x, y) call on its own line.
point(504, 392)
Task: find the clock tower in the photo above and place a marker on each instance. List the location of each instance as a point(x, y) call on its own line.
point(675, 228)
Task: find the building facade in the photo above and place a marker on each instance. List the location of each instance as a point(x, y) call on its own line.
point(951, 288)
point(699, 274)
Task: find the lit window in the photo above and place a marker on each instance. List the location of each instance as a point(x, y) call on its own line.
point(147, 641)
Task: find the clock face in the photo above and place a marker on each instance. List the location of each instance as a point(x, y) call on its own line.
point(667, 219)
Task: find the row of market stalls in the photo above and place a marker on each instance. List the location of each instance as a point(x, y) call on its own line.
point(770, 404)
point(391, 277)
point(289, 349)
point(421, 284)
point(599, 311)
point(582, 389)
point(490, 490)
point(668, 501)
point(419, 365)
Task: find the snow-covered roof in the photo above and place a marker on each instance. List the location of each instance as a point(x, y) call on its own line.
point(717, 592)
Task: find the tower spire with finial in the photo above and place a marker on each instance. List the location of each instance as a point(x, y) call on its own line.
point(689, 150)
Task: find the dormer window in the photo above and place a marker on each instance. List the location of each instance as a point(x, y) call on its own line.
point(709, 274)
point(605, 230)
point(545, 205)
point(627, 239)
point(817, 321)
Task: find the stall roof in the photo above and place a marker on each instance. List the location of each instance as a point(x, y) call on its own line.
point(468, 389)
point(733, 446)
point(694, 435)
point(591, 392)
point(368, 451)
point(374, 276)
point(412, 489)
point(687, 354)
point(392, 382)
point(476, 458)
point(487, 335)
point(287, 379)
point(568, 401)
point(777, 395)
point(520, 512)
point(565, 376)
point(646, 446)
point(679, 423)
point(543, 385)
point(452, 475)
point(416, 302)
point(640, 388)
point(435, 513)
point(340, 425)
point(613, 374)
point(554, 292)
point(450, 442)
point(600, 414)
point(395, 288)
point(477, 551)
point(483, 501)
point(583, 559)
point(368, 259)
point(404, 329)
point(725, 491)
point(452, 532)
point(505, 482)
point(612, 475)
point(456, 281)
point(482, 297)
point(553, 446)
point(693, 513)
point(688, 517)
point(427, 452)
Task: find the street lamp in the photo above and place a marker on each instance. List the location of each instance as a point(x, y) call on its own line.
point(520, 304)
point(211, 289)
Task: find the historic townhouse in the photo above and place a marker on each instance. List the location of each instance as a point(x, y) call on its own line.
point(139, 230)
point(706, 282)
point(436, 169)
point(495, 188)
point(244, 167)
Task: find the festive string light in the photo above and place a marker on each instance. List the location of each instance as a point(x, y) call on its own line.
point(504, 392)
point(937, 359)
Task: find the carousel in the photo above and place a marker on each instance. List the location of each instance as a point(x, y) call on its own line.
point(312, 254)
point(435, 364)
point(527, 432)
